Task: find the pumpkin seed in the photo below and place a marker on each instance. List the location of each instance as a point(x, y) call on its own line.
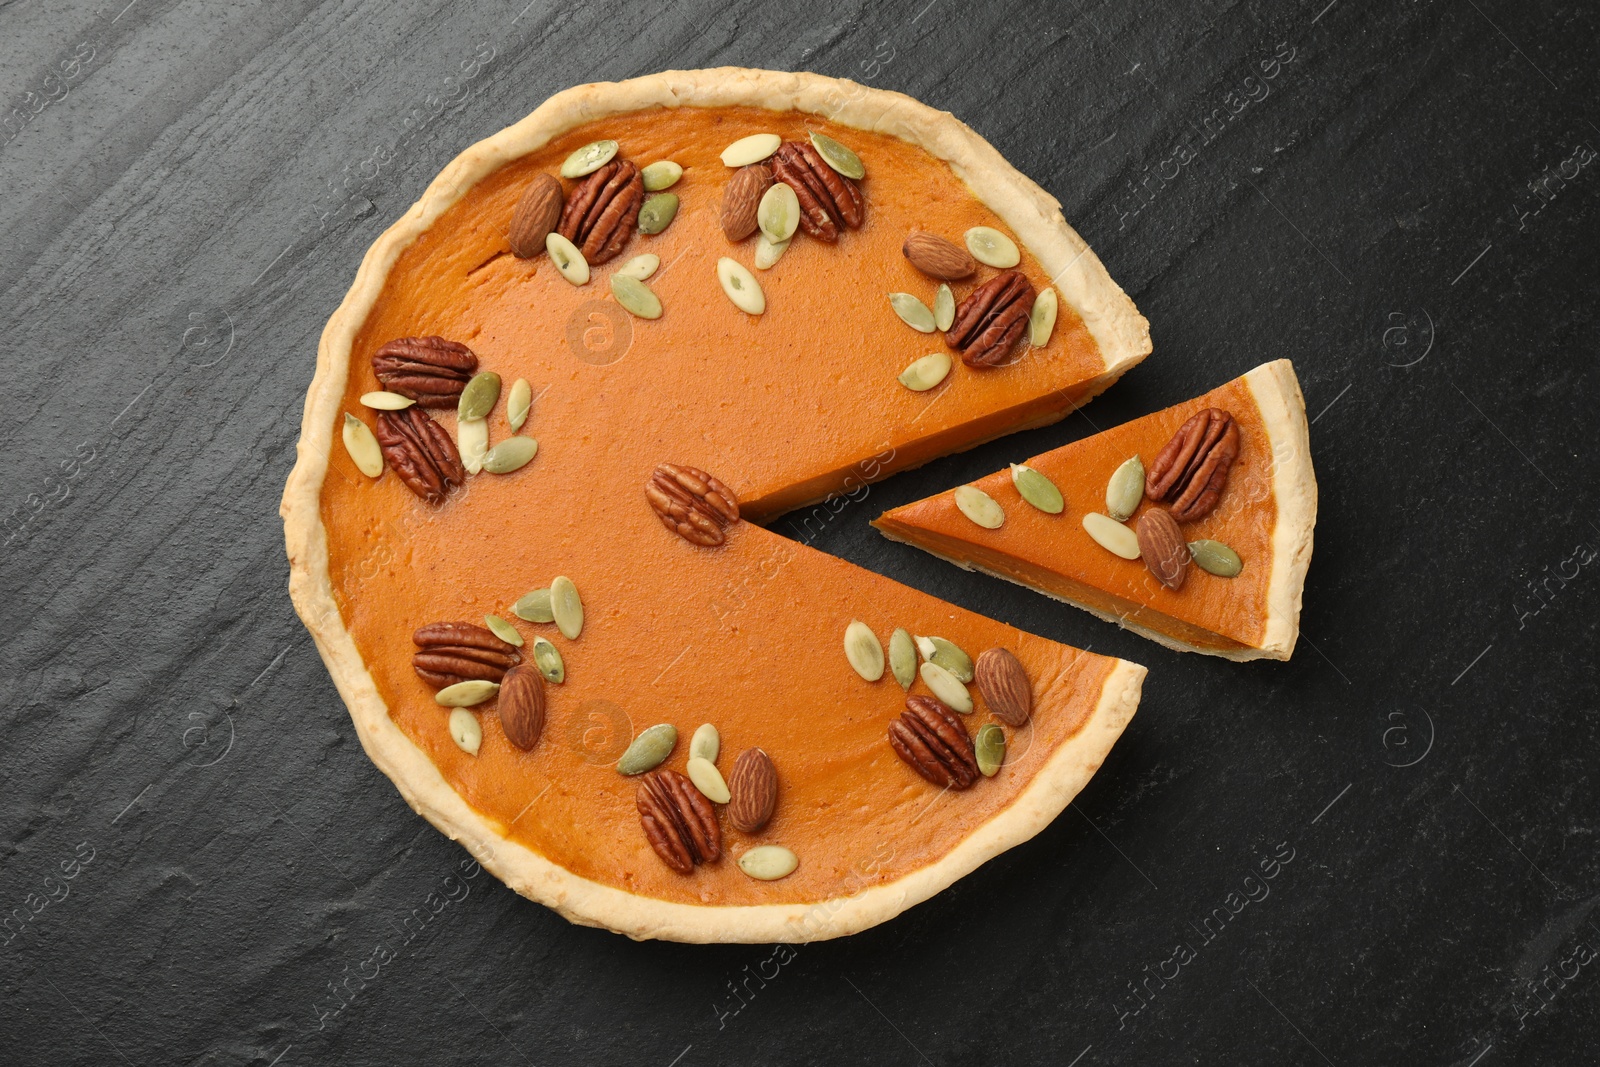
point(752, 149)
point(947, 687)
point(769, 252)
point(862, 649)
point(568, 260)
point(547, 658)
point(1214, 557)
point(706, 743)
point(362, 446)
point(662, 174)
point(989, 245)
point(706, 778)
point(990, 748)
point(381, 401)
point(534, 607)
point(466, 731)
point(566, 608)
point(741, 286)
point(509, 455)
point(479, 395)
point(635, 296)
point(466, 694)
point(903, 658)
point(1125, 490)
point(518, 402)
point(1037, 489)
point(649, 750)
point(779, 212)
point(1042, 319)
point(948, 655)
point(768, 863)
point(926, 372)
point(913, 312)
point(472, 441)
point(944, 308)
point(1112, 535)
point(838, 156)
point(658, 212)
point(980, 507)
point(588, 159)
point(504, 630)
point(640, 267)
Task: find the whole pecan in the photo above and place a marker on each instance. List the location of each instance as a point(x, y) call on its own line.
point(430, 370)
point(934, 740)
point(678, 820)
point(741, 199)
point(692, 504)
point(602, 210)
point(1192, 469)
point(827, 198)
point(451, 652)
point(991, 319)
point(421, 453)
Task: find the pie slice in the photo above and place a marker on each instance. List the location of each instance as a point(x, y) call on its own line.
point(620, 553)
point(1260, 511)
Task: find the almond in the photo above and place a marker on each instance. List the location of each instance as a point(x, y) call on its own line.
point(937, 257)
point(1163, 548)
point(1004, 684)
point(536, 215)
point(522, 706)
point(741, 200)
point(754, 787)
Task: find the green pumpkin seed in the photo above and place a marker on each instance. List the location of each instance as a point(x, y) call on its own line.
point(980, 507)
point(947, 687)
point(1037, 489)
point(768, 252)
point(948, 655)
point(1214, 557)
point(509, 455)
point(768, 863)
point(478, 398)
point(362, 446)
point(913, 312)
point(649, 750)
point(779, 212)
point(752, 149)
point(663, 174)
point(518, 402)
point(944, 308)
point(989, 245)
point(466, 731)
point(1112, 535)
point(640, 267)
point(927, 372)
point(547, 658)
point(903, 658)
point(466, 694)
point(636, 297)
point(741, 286)
point(863, 650)
point(588, 159)
point(990, 748)
point(838, 156)
point(658, 212)
point(1125, 490)
point(472, 441)
point(1042, 319)
point(566, 608)
point(381, 401)
point(568, 260)
point(504, 630)
point(534, 607)
point(706, 778)
point(706, 743)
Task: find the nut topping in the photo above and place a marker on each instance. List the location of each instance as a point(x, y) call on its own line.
point(601, 213)
point(937, 257)
point(754, 788)
point(451, 652)
point(678, 820)
point(934, 741)
point(991, 319)
point(692, 504)
point(827, 198)
point(430, 370)
point(522, 706)
point(1163, 548)
point(536, 215)
point(1003, 681)
point(421, 453)
point(741, 200)
point(1191, 471)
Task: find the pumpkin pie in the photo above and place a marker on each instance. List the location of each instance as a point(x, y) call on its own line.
point(547, 421)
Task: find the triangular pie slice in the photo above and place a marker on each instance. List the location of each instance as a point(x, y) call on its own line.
point(1264, 514)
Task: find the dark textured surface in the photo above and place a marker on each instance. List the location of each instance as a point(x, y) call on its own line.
point(187, 198)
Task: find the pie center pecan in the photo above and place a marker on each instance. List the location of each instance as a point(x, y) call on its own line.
point(421, 453)
point(602, 211)
point(430, 370)
point(934, 741)
point(991, 319)
point(692, 504)
point(827, 198)
point(678, 820)
point(451, 652)
point(1191, 471)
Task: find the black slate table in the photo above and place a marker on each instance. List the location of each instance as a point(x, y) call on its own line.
point(1381, 852)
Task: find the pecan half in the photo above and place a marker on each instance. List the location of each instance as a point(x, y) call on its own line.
point(602, 210)
point(931, 738)
point(1192, 469)
point(430, 370)
point(827, 198)
point(991, 319)
point(421, 453)
point(692, 504)
point(678, 820)
point(741, 199)
point(451, 652)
